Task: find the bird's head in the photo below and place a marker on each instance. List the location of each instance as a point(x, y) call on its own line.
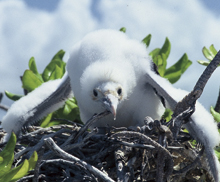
point(109, 95)
point(104, 85)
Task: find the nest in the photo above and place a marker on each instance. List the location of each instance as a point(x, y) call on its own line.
point(145, 153)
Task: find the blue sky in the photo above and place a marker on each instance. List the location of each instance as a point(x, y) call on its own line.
point(40, 28)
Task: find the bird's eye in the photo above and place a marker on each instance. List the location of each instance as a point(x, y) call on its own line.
point(119, 91)
point(95, 93)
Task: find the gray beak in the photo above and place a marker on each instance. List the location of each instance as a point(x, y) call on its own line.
point(110, 102)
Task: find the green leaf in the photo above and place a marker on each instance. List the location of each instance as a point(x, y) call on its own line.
point(69, 105)
point(30, 81)
point(217, 149)
point(123, 29)
point(10, 146)
point(12, 96)
point(204, 63)
point(51, 67)
point(70, 111)
point(215, 114)
point(184, 63)
point(32, 65)
point(16, 173)
point(167, 114)
point(175, 71)
point(56, 73)
point(45, 122)
point(165, 48)
point(33, 68)
point(213, 50)
point(1, 159)
point(185, 130)
point(59, 55)
point(161, 63)
point(164, 65)
point(208, 54)
point(173, 77)
point(147, 40)
point(194, 143)
point(8, 155)
point(21, 171)
point(218, 155)
point(154, 53)
point(56, 61)
point(160, 56)
point(32, 161)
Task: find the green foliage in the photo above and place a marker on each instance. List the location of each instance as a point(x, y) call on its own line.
point(123, 29)
point(46, 120)
point(32, 161)
point(32, 79)
point(12, 96)
point(160, 56)
point(174, 72)
point(7, 155)
point(9, 174)
point(209, 54)
point(217, 153)
point(215, 114)
point(33, 67)
point(167, 115)
point(147, 40)
point(56, 68)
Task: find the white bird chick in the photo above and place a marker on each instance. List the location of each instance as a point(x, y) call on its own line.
point(36, 105)
point(109, 71)
point(112, 77)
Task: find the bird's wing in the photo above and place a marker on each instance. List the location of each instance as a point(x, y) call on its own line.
point(201, 125)
point(45, 99)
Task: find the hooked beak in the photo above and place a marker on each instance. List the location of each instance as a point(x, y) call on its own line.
point(110, 103)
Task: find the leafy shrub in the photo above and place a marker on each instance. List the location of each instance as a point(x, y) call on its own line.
point(9, 174)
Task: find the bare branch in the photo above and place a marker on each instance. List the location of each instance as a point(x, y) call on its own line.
point(51, 144)
point(4, 107)
point(37, 167)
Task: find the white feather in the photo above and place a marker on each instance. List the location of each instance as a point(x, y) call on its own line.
point(24, 107)
point(201, 116)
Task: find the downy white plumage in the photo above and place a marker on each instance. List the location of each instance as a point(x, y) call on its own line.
point(34, 106)
point(107, 70)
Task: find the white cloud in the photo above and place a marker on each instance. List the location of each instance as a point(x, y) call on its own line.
point(27, 32)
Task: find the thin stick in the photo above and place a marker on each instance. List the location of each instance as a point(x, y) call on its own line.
point(4, 107)
point(51, 144)
point(90, 122)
